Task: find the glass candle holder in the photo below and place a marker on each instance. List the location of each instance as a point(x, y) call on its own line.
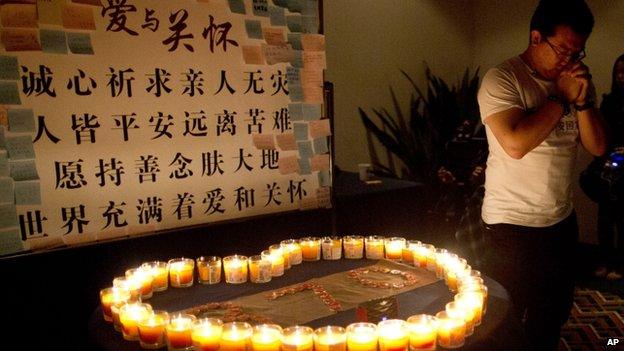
point(423, 331)
point(179, 331)
point(235, 268)
point(420, 255)
point(374, 247)
point(266, 337)
point(110, 296)
point(292, 247)
point(330, 338)
point(331, 248)
point(144, 278)
point(394, 248)
point(310, 248)
point(362, 337)
point(208, 269)
point(408, 251)
point(133, 286)
point(393, 335)
point(277, 263)
point(279, 250)
point(259, 269)
point(461, 311)
point(451, 331)
point(160, 272)
point(353, 247)
point(152, 330)
point(236, 336)
point(181, 272)
point(206, 334)
point(473, 299)
point(129, 316)
point(439, 256)
point(298, 338)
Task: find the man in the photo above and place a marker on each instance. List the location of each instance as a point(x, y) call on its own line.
point(536, 108)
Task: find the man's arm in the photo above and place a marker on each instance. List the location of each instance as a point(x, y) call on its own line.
point(592, 128)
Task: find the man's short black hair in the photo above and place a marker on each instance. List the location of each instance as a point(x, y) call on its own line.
point(573, 13)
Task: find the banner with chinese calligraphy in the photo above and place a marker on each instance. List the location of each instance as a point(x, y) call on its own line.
point(122, 117)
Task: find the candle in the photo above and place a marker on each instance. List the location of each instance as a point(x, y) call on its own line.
point(132, 285)
point(440, 255)
point(278, 250)
point(408, 251)
point(208, 269)
point(152, 330)
point(181, 272)
point(144, 278)
point(423, 332)
point(292, 247)
point(236, 336)
point(110, 296)
point(129, 316)
point(461, 311)
point(330, 338)
point(331, 248)
point(451, 331)
point(310, 248)
point(362, 337)
point(259, 269)
point(277, 262)
point(206, 334)
point(374, 247)
point(393, 335)
point(235, 268)
point(179, 330)
point(394, 248)
point(160, 272)
point(298, 338)
point(353, 247)
point(266, 337)
point(473, 299)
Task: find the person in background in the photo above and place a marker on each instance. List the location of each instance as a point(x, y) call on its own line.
point(537, 107)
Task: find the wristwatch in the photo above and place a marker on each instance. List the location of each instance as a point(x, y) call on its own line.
point(563, 103)
point(587, 105)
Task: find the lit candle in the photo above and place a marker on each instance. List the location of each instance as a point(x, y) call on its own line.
point(152, 330)
point(310, 248)
point(235, 268)
point(331, 248)
point(236, 336)
point(408, 251)
point(473, 299)
point(132, 285)
point(451, 331)
point(206, 334)
point(209, 269)
point(144, 278)
point(160, 272)
point(393, 335)
point(292, 247)
point(298, 338)
point(440, 256)
point(330, 338)
point(129, 316)
point(110, 296)
point(181, 272)
point(353, 247)
point(394, 248)
point(279, 250)
point(259, 269)
point(277, 262)
point(266, 337)
point(374, 247)
point(423, 331)
point(179, 330)
point(362, 337)
point(420, 255)
point(461, 311)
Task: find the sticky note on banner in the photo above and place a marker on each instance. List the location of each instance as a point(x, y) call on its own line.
point(308, 203)
point(286, 141)
point(311, 112)
point(21, 39)
point(294, 39)
point(53, 41)
point(8, 68)
point(28, 192)
point(320, 162)
point(309, 7)
point(50, 11)
point(309, 24)
point(295, 92)
point(297, 59)
point(277, 16)
point(8, 215)
point(253, 29)
point(19, 15)
point(23, 169)
point(20, 147)
point(294, 5)
point(313, 42)
point(324, 178)
point(4, 116)
point(10, 241)
point(274, 36)
point(260, 8)
point(304, 166)
point(263, 141)
point(80, 43)
point(300, 129)
point(314, 60)
point(252, 55)
point(9, 93)
point(293, 75)
point(4, 164)
point(7, 189)
point(237, 6)
point(275, 54)
point(288, 164)
point(320, 128)
point(320, 146)
point(77, 17)
point(21, 120)
point(323, 196)
point(293, 22)
point(295, 111)
point(305, 149)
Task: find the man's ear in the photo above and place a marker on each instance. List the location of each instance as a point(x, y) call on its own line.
point(536, 37)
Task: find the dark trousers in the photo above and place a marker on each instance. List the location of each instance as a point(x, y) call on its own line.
point(536, 266)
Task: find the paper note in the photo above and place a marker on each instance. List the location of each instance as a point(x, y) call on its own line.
point(320, 128)
point(23, 169)
point(4, 116)
point(80, 43)
point(21, 120)
point(323, 196)
point(18, 15)
point(53, 41)
point(314, 60)
point(274, 36)
point(294, 5)
point(300, 129)
point(293, 75)
point(309, 24)
point(253, 29)
point(297, 59)
point(50, 11)
point(294, 23)
point(324, 178)
point(9, 93)
point(7, 189)
point(10, 241)
point(252, 55)
point(288, 164)
point(8, 215)
point(304, 166)
point(320, 162)
point(4, 164)
point(286, 141)
point(21, 39)
point(277, 16)
point(312, 82)
point(308, 203)
point(8, 67)
point(237, 6)
point(295, 92)
point(89, 2)
point(27, 192)
point(275, 54)
point(313, 42)
point(263, 141)
point(305, 149)
point(20, 147)
point(311, 112)
point(295, 111)
point(260, 8)
point(77, 17)
point(294, 39)
point(320, 146)
point(309, 7)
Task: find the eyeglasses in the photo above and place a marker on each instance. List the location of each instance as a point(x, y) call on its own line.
point(573, 57)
